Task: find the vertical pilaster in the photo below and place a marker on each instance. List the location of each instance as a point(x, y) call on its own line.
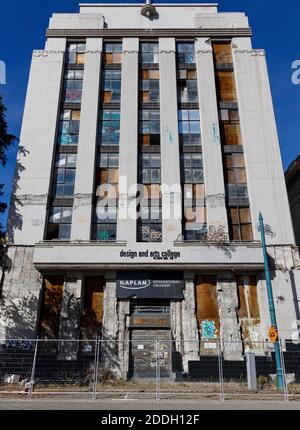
point(128, 139)
point(265, 175)
point(170, 157)
point(185, 327)
point(27, 215)
point(123, 337)
point(85, 172)
point(109, 347)
point(211, 142)
point(190, 331)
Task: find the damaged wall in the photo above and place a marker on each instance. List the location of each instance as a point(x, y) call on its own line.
point(184, 326)
point(19, 303)
point(229, 325)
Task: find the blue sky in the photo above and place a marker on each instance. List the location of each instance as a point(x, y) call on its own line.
point(275, 26)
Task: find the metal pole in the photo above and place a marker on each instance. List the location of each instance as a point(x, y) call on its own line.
point(157, 370)
point(286, 390)
point(95, 371)
point(280, 383)
point(221, 375)
point(251, 371)
point(33, 371)
point(98, 343)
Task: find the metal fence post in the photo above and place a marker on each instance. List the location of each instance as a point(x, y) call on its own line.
point(96, 367)
point(157, 369)
point(33, 371)
point(221, 375)
point(251, 371)
point(285, 385)
point(95, 372)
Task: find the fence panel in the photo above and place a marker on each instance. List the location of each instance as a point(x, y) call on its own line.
point(291, 357)
point(16, 362)
point(65, 366)
point(237, 377)
point(148, 367)
point(131, 369)
point(196, 371)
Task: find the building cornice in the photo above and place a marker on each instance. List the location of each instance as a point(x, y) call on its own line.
point(120, 33)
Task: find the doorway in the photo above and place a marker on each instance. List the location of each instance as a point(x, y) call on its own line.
point(151, 342)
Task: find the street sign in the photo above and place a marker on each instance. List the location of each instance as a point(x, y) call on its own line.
point(273, 334)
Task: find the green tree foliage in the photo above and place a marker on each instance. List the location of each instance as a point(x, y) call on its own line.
point(6, 140)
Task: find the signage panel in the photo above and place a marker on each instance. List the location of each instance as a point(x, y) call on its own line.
point(147, 285)
point(150, 321)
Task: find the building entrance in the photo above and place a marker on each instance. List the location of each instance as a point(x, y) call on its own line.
point(150, 333)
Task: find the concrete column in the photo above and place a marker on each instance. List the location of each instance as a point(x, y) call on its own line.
point(85, 173)
point(70, 317)
point(27, 215)
point(109, 346)
point(191, 351)
point(228, 304)
point(128, 139)
point(171, 191)
point(123, 338)
point(211, 142)
point(185, 327)
point(265, 175)
point(21, 293)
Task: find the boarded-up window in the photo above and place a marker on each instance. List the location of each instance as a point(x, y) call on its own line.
point(51, 307)
point(144, 140)
point(240, 226)
point(108, 58)
point(107, 96)
point(92, 313)
point(248, 300)
point(206, 301)
point(222, 52)
point(80, 58)
point(225, 86)
point(144, 96)
point(230, 134)
point(248, 310)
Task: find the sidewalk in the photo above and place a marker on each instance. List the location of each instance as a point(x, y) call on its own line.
point(148, 405)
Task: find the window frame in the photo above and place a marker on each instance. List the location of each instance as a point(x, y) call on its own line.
point(237, 226)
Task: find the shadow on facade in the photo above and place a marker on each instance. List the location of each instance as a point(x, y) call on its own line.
point(19, 316)
point(15, 219)
point(295, 295)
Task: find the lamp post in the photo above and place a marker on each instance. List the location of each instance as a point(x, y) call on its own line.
point(279, 372)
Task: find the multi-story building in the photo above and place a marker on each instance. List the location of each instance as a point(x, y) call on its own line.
point(148, 149)
point(292, 177)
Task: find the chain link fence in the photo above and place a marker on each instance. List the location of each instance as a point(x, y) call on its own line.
point(151, 368)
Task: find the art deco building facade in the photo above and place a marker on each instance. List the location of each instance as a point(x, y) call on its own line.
point(148, 140)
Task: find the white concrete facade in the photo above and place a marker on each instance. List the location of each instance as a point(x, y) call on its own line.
point(82, 255)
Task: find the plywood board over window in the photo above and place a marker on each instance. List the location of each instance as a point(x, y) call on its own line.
point(222, 53)
point(51, 307)
point(80, 58)
point(226, 86)
point(92, 312)
point(206, 301)
point(231, 134)
point(248, 309)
